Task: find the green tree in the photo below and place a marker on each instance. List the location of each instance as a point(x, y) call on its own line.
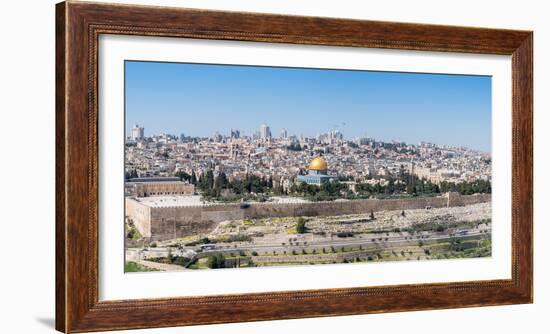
point(207, 181)
point(301, 225)
point(212, 262)
point(183, 175)
point(216, 261)
point(221, 181)
point(131, 174)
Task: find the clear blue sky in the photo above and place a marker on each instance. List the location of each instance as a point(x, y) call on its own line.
point(200, 99)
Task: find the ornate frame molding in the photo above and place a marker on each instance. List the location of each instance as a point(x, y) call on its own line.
point(78, 27)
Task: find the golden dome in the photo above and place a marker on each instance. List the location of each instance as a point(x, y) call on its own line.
point(318, 164)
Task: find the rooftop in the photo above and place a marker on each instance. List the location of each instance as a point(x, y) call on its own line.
point(195, 200)
point(153, 179)
point(170, 201)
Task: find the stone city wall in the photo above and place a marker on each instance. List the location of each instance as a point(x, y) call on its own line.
point(174, 222)
point(340, 208)
point(455, 199)
point(140, 215)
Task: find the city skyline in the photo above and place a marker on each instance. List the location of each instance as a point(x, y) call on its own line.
point(258, 135)
point(452, 110)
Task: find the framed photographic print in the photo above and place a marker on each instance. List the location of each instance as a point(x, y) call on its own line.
point(222, 166)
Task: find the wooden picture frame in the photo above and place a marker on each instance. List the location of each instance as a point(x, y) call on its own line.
point(78, 26)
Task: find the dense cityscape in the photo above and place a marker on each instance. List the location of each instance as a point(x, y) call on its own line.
point(364, 165)
point(233, 200)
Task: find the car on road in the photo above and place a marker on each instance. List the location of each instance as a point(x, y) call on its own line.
point(206, 247)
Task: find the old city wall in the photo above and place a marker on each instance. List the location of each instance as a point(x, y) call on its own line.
point(140, 215)
point(175, 222)
point(340, 208)
point(456, 199)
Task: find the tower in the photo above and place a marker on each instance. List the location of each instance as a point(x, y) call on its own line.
point(138, 133)
point(265, 132)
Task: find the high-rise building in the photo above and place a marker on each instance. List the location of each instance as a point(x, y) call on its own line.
point(335, 134)
point(138, 133)
point(182, 137)
point(217, 137)
point(284, 134)
point(265, 132)
point(363, 141)
point(235, 134)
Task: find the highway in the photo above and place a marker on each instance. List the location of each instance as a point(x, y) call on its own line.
point(393, 240)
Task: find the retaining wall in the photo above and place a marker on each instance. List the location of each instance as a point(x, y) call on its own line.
point(166, 223)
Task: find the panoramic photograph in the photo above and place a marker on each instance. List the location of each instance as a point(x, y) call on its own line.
point(232, 166)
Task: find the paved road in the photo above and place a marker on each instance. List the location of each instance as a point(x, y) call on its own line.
point(393, 241)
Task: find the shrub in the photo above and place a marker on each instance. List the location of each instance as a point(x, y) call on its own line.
point(180, 260)
point(200, 242)
point(216, 261)
point(301, 225)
